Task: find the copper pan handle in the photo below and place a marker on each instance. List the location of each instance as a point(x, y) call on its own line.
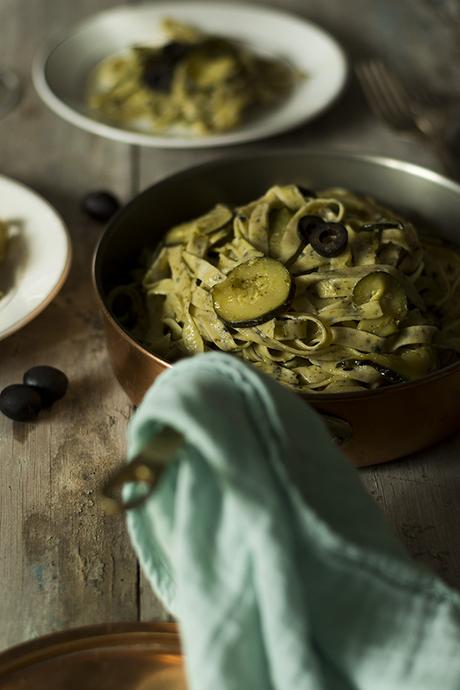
point(145, 470)
point(149, 465)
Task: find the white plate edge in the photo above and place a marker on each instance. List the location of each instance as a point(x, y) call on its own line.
point(63, 275)
point(91, 125)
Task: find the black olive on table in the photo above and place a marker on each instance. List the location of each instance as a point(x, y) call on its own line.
point(50, 383)
point(329, 239)
point(100, 205)
point(20, 402)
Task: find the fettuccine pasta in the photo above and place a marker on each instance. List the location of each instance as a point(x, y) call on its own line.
point(326, 291)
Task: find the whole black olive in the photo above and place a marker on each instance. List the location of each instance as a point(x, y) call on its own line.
point(50, 383)
point(329, 239)
point(307, 224)
point(19, 402)
point(100, 205)
point(307, 193)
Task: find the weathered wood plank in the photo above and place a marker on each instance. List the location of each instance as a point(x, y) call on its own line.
point(420, 497)
point(62, 563)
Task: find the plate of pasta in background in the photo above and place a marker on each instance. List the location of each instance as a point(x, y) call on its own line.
point(35, 255)
point(194, 74)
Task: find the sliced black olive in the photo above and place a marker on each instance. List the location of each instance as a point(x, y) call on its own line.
point(21, 403)
point(158, 69)
point(158, 74)
point(100, 205)
point(50, 383)
point(307, 224)
point(382, 225)
point(389, 376)
point(307, 193)
point(329, 239)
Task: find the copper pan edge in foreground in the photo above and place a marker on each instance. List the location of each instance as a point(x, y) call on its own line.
point(97, 657)
point(386, 424)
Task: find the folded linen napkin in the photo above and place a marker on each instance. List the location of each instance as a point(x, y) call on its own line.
point(262, 541)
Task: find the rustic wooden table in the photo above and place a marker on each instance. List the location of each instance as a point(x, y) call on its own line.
point(62, 562)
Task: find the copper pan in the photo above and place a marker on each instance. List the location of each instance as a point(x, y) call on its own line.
point(377, 425)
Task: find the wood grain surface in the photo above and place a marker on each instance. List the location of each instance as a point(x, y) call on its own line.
point(62, 563)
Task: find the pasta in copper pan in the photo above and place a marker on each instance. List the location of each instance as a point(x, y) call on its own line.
point(327, 291)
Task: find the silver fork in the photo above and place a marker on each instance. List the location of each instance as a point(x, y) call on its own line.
point(389, 100)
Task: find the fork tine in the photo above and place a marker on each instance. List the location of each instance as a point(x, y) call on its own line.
point(377, 100)
point(371, 91)
point(393, 88)
point(385, 96)
point(367, 86)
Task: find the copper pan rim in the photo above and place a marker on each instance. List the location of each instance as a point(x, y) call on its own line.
point(74, 639)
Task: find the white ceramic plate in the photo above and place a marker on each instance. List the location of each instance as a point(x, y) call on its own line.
point(61, 69)
point(38, 256)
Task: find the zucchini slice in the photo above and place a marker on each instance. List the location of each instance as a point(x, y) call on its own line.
point(253, 292)
point(384, 288)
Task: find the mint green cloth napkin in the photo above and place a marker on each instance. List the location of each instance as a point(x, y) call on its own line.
point(261, 540)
